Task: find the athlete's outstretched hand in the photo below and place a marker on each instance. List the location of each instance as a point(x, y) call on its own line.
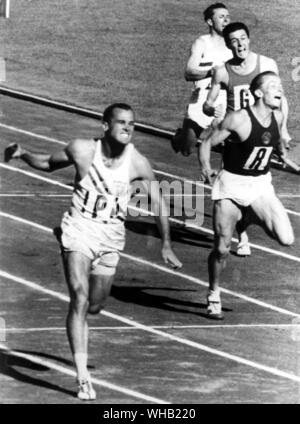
point(169, 256)
point(206, 175)
point(12, 151)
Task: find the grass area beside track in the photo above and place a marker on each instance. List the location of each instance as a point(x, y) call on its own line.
point(96, 52)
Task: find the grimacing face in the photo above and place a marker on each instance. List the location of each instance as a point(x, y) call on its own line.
point(220, 19)
point(239, 43)
point(121, 126)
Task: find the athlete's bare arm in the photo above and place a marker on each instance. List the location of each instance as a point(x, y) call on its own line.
point(78, 152)
point(196, 69)
point(43, 162)
point(219, 78)
point(142, 171)
point(233, 122)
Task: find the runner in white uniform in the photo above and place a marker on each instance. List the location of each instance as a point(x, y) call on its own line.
point(207, 51)
point(92, 231)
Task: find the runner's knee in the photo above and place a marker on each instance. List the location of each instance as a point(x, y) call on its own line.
point(222, 251)
point(79, 299)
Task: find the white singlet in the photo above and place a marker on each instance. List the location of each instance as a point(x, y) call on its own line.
point(94, 225)
point(213, 56)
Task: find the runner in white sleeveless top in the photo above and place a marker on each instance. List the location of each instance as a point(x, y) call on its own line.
point(92, 231)
point(207, 51)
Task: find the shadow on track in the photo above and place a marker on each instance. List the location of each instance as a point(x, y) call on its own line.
point(179, 235)
point(8, 362)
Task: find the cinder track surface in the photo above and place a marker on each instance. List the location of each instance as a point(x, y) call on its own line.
point(153, 343)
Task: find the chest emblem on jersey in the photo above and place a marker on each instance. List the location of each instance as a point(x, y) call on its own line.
point(266, 138)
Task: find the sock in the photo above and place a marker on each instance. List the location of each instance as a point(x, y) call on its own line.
point(214, 294)
point(80, 360)
point(243, 237)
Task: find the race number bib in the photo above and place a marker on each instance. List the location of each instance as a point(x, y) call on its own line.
point(242, 97)
point(258, 159)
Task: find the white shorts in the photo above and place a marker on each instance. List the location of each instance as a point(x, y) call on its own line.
point(99, 242)
point(242, 189)
point(194, 109)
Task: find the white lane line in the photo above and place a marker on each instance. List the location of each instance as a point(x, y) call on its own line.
point(186, 224)
point(157, 327)
point(292, 212)
point(32, 134)
point(176, 177)
point(34, 195)
point(67, 371)
point(168, 271)
point(69, 195)
point(199, 346)
point(157, 171)
point(36, 176)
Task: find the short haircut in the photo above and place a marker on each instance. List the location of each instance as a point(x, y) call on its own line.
point(109, 111)
point(234, 26)
point(259, 80)
point(209, 11)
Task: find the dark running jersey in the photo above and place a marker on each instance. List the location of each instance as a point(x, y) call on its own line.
point(238, 93)
point(252, 156)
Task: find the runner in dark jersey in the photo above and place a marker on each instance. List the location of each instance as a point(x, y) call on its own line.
point(235, 76)
point(252, 157)
point(243, 192)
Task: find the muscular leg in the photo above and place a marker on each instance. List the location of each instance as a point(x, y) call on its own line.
point(274, 218)
point(77, 269)
point(100, 286)
point(226, 215)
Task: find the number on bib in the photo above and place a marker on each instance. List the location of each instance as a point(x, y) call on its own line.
point(242, 97)
point(259, 158)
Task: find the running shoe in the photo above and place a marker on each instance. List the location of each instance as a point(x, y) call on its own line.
point(10, 151)
point(243, 249)
point(214, 306)
point(85, 390)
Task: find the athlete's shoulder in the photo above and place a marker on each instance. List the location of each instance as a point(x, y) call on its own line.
point(140, 166)
point(268, 64)
point(234, 119)
point(138, 159)
point(199, 44)
point(80, 147)
point(204, 38)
